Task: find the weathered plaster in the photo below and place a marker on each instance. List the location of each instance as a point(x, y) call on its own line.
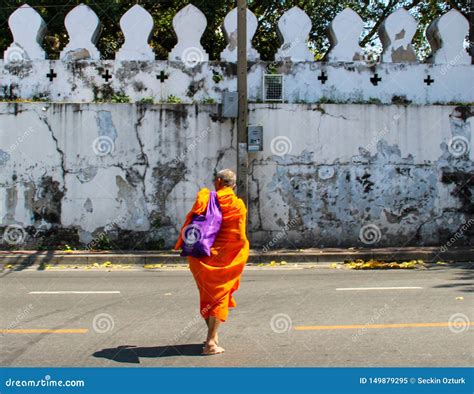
point(325, 171)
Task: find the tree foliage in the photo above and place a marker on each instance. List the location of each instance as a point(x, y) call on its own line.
point(266, 40)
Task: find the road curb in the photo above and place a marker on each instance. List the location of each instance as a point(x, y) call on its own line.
point(301, 256)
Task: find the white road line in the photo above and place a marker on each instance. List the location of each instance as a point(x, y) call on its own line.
point(379, 288)
point(75, 292)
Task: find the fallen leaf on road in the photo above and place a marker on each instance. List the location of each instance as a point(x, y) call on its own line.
point(460, 298)
point(378, 264)
point(168, 294)
point(151, 266)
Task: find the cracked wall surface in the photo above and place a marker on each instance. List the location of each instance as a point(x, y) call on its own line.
point(128, 173)
point(333, 170)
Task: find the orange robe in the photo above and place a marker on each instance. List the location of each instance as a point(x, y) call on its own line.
point(218, 275)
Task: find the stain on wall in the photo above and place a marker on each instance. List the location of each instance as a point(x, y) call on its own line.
point(410, 177)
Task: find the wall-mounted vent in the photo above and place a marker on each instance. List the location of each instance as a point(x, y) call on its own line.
point(273, 87)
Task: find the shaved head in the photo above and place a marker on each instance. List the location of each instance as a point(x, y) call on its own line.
point(228, 177)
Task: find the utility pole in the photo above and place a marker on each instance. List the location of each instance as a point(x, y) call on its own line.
point(242, 152)
point(471, 30)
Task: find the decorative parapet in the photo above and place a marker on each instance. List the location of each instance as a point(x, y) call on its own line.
point(81, 75)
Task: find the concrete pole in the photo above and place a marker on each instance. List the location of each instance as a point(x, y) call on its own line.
point(242, 152)
point(471, 31)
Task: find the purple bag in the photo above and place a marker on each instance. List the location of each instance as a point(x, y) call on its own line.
point(200, 234)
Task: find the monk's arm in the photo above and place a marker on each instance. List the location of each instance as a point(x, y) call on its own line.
point(243, 222)
point(198, 208)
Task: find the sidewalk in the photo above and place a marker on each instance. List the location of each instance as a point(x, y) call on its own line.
point(312, 256)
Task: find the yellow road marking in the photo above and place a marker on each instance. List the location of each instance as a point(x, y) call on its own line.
point(356, 326)
point(44, 331)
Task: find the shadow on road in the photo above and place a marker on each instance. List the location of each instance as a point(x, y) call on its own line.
point(132, 354)
point(22, 262)
point(464, 280)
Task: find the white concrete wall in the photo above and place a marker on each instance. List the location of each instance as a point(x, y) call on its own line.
point(347, 82)
point(331, 173)
point(75, 171)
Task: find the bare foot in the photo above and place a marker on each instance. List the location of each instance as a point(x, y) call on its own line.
point(216, 340)
point(211, 348)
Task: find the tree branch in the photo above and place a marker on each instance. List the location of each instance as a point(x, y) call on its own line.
point(377, 24)
point(455, 6)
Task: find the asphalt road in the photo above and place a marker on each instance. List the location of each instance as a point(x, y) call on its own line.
point(284, 317)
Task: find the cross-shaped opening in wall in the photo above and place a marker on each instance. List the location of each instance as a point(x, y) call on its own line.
point(162, 76)
point(51, 75)
point(375, 79)
point(428, 80)
point(323, 77)
point(107, 75)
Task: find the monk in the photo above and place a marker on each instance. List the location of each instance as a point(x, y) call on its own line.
point(218, 276)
